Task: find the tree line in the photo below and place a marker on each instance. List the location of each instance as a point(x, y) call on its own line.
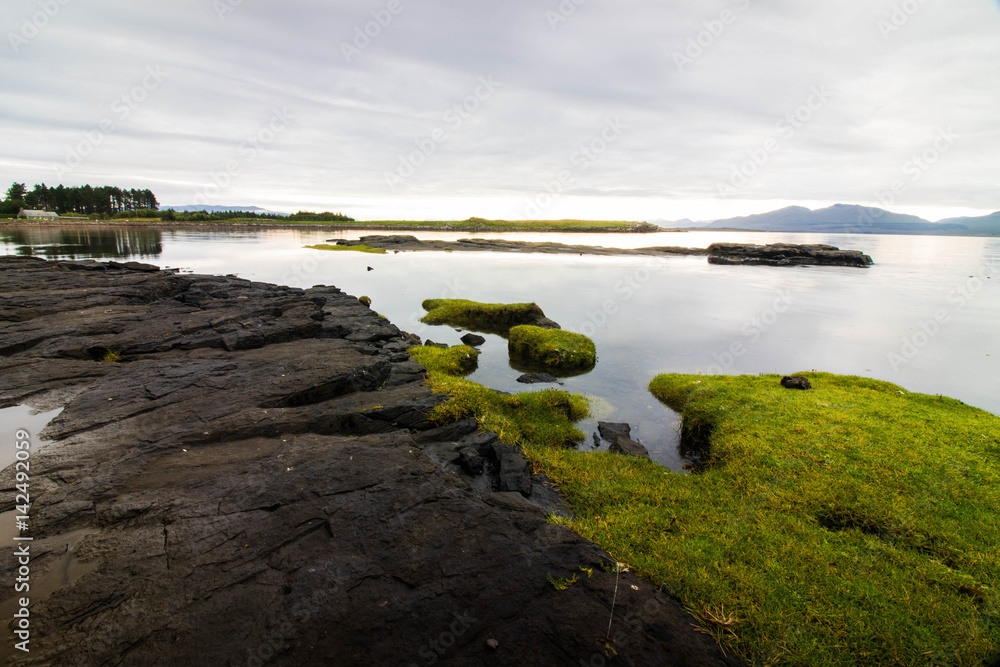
point(112, 202)
point(83, 200)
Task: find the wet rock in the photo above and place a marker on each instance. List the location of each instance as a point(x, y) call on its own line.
point(472, 340)
point(611, 432)
point(795, 382)
point(430, 343)
point(786, 254)
point(538, 378)
point(249, 464)
point(629, 447)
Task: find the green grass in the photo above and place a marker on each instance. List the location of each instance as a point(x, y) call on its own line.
point(554, 349)
point(495, 318)
point(854, 524)
point(459, 360)
point(544, 418)
point(354, 248)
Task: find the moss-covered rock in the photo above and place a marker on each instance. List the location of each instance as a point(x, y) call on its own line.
point(495, 318)
point(552, 348)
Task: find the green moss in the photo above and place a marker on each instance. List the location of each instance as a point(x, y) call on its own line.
point(365, 301)
point(855, 523)
point(495, 318)
point(350, 248)
point(554, 349)
point(544, 418)
point(459, 360)
point(112, 356)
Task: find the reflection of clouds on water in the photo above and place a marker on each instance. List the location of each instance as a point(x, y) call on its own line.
point(843, 320)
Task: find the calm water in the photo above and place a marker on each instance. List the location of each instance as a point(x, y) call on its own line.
point(925, 316)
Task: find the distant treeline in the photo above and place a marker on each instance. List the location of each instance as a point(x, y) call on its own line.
point(83, 200)
point(109, 202)
point(205, 216)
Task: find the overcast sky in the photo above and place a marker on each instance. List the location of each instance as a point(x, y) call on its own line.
point(445, 109)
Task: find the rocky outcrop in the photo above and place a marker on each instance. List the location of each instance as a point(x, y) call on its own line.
point(257, 482)
point(786, 254)
point(778, 254)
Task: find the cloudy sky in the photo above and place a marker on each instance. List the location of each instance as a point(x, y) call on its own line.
point(445, 109)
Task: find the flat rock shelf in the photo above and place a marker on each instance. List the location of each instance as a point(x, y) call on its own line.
point(257, 482)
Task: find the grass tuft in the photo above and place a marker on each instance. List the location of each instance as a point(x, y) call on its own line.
point(855, 523)
point(349, 248)
point(544, 418)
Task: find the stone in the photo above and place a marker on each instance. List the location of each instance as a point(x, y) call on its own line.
point(472, 340)
point(629, 447)
point(795, 382)
point(610, 431)
point(538, 378)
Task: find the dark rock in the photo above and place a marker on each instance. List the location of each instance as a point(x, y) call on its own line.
point(453, 431)
point(472, 340)
point(472, 460)
point(786, 254)
point(247, 486)
point(612, 432)
point(796, 382)
point(538, 378)
point(430, 343)
point(629, 447)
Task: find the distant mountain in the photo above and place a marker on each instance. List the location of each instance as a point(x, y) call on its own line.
point(853, 219)
point(221, 209)
point(686, 223)
point(987, 225)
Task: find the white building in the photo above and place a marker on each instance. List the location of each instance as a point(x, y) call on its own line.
point(37, 215)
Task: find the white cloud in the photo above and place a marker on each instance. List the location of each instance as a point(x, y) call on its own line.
point(686, 133)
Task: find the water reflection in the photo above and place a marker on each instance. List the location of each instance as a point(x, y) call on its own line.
point(80, 243)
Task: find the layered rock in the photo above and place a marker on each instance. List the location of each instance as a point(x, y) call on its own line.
point(259, 483)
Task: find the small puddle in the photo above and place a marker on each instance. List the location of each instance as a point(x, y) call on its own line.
point(21, 417)
point(66, 570)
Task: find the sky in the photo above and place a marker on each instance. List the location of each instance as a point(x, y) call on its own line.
point(543, 109)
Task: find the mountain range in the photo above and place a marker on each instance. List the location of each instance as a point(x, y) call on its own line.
point(220, 209)
point(853, 219)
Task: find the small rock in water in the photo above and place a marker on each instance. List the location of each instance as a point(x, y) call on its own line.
point(796, 382)
point(538, 378)
point(629, 447)
point(493, 644)
point(472, 340)
point(370, 268)
point(430, 343)
point(612, 432)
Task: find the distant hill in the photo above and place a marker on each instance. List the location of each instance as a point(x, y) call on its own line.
point(221, 209)
point(987, 225)
point(853, 219)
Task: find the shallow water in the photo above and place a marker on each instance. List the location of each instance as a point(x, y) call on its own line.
point(925, 316)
